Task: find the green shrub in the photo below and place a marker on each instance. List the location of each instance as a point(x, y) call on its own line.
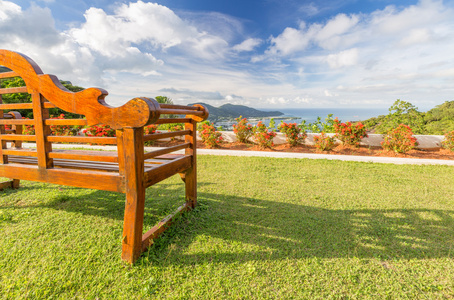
point(318, 125)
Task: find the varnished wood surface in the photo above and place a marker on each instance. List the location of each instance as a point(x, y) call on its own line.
point(133, 153)
point(166, 170)
point(17, 122)
point(80, 122)
point(173, 120)
point(163, 135)
point(18, 137)
point(79, 178)
point(83, 164)
point(159, 152)
point(83, 139)
point(13, 90)
point(101, 156)
point(8, 75)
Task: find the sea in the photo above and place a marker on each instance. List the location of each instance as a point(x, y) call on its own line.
point(310, 115)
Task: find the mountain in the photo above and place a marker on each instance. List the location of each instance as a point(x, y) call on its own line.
point(231, 111)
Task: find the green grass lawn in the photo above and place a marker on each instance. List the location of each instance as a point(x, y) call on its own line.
point(264, 229)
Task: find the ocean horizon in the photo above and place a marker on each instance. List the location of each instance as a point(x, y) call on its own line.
point(343, 114)
point(310, 115)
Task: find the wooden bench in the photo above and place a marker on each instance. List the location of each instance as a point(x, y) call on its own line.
point(129, 170)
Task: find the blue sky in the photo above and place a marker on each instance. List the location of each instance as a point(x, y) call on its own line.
point(264, 54)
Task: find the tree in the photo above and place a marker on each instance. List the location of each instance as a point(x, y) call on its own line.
point(402, 112)
point(164, 100)
point(26, 98)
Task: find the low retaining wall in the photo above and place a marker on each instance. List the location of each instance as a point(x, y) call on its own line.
point(373, 140)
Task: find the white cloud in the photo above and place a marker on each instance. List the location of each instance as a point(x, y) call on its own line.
point(329, 36)
point(342, 59)
point(332, 34)
point(147, 24)
point(8, 10)
point(247, 45)
point(145, 49)
point(381, 56)
point(289, 41)
point(277, 100)
point(416, 36)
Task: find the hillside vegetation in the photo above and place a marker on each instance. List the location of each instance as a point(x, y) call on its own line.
point(231, 111)
point(437, 121)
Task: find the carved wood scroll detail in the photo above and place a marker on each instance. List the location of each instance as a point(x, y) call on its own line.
point(136, 113)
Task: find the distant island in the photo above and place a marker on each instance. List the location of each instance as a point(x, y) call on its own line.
point(228, 112)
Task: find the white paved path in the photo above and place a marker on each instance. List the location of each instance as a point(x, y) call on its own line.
point(375, 159)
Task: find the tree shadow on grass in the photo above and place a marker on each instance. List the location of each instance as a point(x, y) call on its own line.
point(278, 230)
point(256, 229)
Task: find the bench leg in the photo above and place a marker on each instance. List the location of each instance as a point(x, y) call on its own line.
point(14, 184)
point(133, 225)
point(190, 181)
point(131, 149)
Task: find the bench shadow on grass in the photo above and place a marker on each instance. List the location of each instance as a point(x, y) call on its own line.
point(256, 229)
point(97, 203)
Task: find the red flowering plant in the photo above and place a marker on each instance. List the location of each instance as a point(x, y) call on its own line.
point(262, 136)
point(293, 133)
point(71, 130)
point(242, 130)
point(399, 139)
point(150, 129)
point(448, 142)
point(28, 129)
point(99, 131)
point(324, 142)
point(210, 137)
point(176, 127)
point(349, 134)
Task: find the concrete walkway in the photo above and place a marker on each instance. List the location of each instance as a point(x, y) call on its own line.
point(375, 159)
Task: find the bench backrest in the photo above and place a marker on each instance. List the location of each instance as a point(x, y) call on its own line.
point(46, 92)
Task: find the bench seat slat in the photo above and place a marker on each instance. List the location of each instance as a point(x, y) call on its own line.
point(101, 156)
point(83, 139)
point(20, 152)
point(107, 181)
